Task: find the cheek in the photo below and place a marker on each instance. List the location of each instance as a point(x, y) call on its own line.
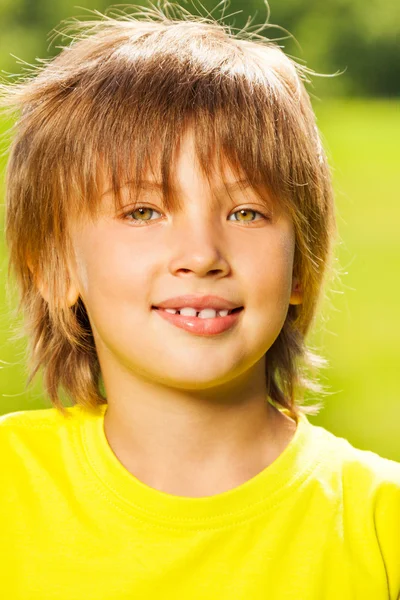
point(274, 289)
point(109, 266)
point(268, 267)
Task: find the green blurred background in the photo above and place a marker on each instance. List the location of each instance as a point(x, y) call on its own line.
point(358, 114)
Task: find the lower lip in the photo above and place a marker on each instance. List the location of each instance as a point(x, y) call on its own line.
point(201, 326)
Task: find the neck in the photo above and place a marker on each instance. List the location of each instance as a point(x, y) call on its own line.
point(203, 450)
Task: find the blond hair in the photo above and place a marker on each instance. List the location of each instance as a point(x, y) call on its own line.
point(123, 87)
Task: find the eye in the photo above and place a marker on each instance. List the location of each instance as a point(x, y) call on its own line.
point(245, 212)
point(140, 211)
point(143, 210)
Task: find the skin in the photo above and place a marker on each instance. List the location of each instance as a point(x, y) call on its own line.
point(187, 415)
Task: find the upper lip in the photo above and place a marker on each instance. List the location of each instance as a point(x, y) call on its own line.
point(198, 302)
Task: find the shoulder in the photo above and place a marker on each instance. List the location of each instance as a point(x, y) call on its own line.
point(366, 484)
point(33, 444)
point(359, 469)
point(366, 491)
point(375, 481)
point(368, 494)
point(376, 499)
point(378, 479)
point(15, 423)
point(43, 417)
point(369, 471)
point(32, 428)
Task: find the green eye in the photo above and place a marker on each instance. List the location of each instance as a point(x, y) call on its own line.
point(246, 213)
point(140, 211)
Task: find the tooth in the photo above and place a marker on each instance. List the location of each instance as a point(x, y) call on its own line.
point(188, 312)
point(207, 313)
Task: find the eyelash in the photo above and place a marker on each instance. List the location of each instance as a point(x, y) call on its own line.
point(124, 215)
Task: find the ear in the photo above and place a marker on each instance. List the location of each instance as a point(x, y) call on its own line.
point(296, 296)
point(72, 294)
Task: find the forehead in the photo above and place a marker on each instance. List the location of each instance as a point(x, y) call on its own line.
point(185, 169)
point(177, 176)
point(185, 177)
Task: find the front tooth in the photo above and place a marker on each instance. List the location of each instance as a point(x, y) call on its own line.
point(207, 313)
point(188, 312)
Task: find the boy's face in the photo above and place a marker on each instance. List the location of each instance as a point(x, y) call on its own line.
point(124, 267)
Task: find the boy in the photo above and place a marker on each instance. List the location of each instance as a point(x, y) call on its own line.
point(170, 223)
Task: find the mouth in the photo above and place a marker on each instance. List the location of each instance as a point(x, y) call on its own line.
point(205, 322)
point(219, 313)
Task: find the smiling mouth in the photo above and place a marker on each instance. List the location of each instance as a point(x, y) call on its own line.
point(177, 311)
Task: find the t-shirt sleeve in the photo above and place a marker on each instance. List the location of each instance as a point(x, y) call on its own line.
point(387, 523)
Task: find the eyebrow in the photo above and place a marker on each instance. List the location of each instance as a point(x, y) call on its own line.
point(146, 184)
point(230, 186)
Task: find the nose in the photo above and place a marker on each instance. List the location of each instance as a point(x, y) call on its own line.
point(199, 248)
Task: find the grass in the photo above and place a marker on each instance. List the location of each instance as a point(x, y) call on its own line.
point(359, 329)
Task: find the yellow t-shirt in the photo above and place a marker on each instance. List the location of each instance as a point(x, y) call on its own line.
point(322, 522)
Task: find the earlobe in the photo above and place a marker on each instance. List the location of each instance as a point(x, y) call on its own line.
point(72, 295)
point(296, 296)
